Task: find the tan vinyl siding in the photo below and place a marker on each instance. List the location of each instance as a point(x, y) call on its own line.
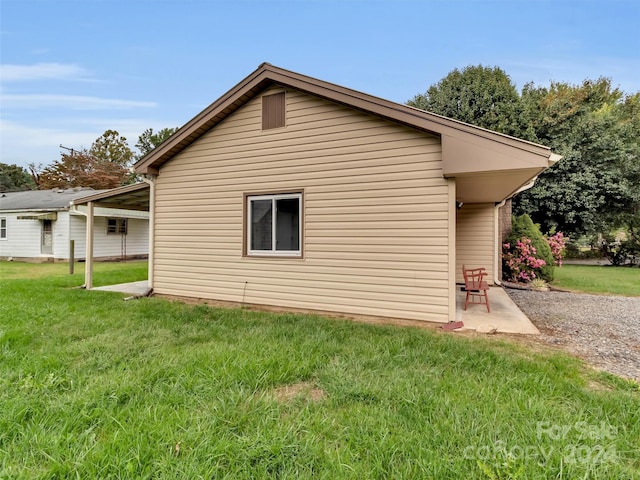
point(475, 237)
point(376, 218)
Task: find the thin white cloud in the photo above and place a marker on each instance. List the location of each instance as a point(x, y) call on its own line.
point(15, 133)
point(40, 51)
point(22, 144)
point(544, 70)
point(42, 71)
point(71, 102)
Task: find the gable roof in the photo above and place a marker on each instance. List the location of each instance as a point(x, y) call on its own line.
point(43, 200)
point(466, 149)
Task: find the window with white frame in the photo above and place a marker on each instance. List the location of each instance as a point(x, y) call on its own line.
point(3, 228)
point(274, 225)
point(116, 226)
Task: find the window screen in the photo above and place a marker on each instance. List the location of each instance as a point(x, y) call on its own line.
point(116, 226)
point(274, 224)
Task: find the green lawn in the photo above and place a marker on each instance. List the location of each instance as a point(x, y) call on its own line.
point(95, 387)
point(598, 279)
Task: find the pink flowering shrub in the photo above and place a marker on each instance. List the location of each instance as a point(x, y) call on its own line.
point(522, 261)
point(557, 244)
point(526, 247)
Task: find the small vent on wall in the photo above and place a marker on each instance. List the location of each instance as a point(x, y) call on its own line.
point(273, 111)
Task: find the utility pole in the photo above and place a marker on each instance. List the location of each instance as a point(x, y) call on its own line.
point(73, 151)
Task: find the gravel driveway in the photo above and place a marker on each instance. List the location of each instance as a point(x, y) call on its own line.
point(603, 330)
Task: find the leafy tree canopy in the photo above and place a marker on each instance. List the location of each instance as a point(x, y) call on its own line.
point(14, 179)
point(102, 166)
point(478, 95)
point(81, 169)
point(595, 186)
point(150, 140)
point(112, 147)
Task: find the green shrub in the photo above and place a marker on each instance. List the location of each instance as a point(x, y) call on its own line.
point(523, 226)
point(572, 250)
point(575, 251)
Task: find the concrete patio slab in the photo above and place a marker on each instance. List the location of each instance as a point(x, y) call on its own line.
point(132, 288)
point(505, 315)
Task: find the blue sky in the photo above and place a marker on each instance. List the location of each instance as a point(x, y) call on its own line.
point(72, 69)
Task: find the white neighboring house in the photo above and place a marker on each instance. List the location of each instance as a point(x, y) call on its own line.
point(37, 225)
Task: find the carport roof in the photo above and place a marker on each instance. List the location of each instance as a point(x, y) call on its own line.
point(129, 197)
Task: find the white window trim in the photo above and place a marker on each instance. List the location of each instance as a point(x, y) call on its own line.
point(273, 252)
point(4, 229)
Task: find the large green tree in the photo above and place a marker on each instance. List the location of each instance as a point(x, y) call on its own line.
point(14, 178)
point(112, 147)
point(149, 140)
point(594, 188)
point(630, 166)
point(482, 96)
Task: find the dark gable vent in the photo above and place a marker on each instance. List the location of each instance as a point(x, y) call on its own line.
point(273, 111)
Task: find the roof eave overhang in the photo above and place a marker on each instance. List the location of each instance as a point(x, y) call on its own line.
point(228, 103)
point(492, 171)
point(459, 139)
point(42, 216)
point(468, 153)
point(39, 209)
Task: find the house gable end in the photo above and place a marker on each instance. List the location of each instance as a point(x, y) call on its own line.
point(485, 143)
point(372, 213)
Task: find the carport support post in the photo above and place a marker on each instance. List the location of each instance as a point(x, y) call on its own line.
point(453, 226)
point(72, 259)
point(88, 264)
point(150, 179)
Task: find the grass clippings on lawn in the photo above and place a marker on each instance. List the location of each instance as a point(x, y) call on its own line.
point(94, 387)
point(305, 391)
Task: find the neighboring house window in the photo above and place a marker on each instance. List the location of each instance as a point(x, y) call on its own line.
point(273, 111)
point(116, 226)
point(3, 228)
point(274, 224)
